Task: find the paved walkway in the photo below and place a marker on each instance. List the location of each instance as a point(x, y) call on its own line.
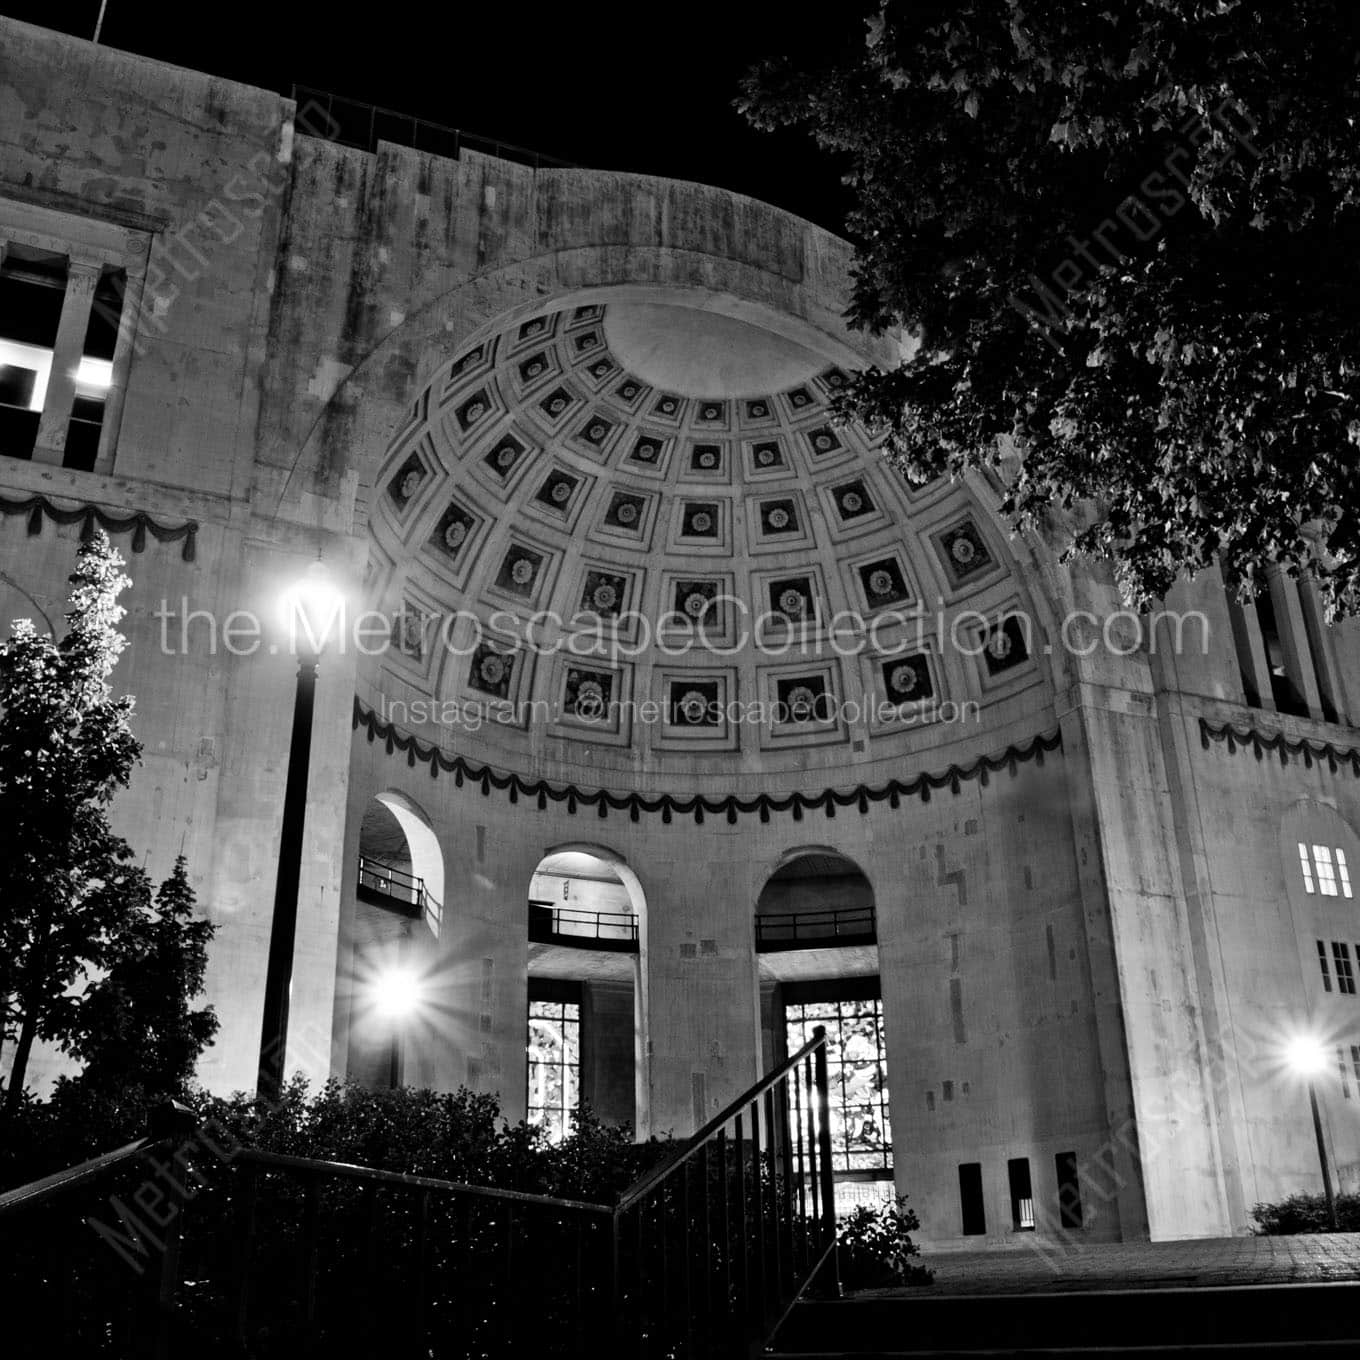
point(1147, 1265)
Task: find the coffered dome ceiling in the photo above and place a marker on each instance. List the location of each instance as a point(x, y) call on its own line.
point(631, 540)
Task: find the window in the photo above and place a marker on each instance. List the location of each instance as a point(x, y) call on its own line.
point(1022, 1194)
point(1069, 1189)
point(857, 1071)
point(66, 335)
point(1355, 1064)
point(32, 288)
point(1322, 963)
point(970, 1199)
point(1341, 1068)
point(1326, 865)
point(554, 1057)
point(1341, 957)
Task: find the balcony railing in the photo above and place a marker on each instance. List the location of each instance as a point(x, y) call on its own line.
point(383, 886)
point(815, 929)
point(551, 923)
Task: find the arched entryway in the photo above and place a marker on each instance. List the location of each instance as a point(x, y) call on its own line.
point(816, 943)
point(399, 907)
point(586, 1025)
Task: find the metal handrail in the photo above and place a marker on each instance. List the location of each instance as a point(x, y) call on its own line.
point(747, 1206)
point(778, 927)
point(74, 1177)
point(307, 96)
point(658, 1173)
point(411, 891)
point(623, 921)
point(373, 1175)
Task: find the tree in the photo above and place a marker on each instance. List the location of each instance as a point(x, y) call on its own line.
point(68, 890)
point(134, 1028)
point(1122, 238)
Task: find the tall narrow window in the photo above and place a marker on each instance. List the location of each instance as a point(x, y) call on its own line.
point(32, 287)
point(95, 374)
point(1022, 1194)
point(554, 1057)
point(1283, 690)
point(970, 1199)
point(1326, 877)
point(1343, 874)
point(1341, 958)
point(857, 1069)
point(1322, 963)
point(1069, 1189)
point(1307, 866)
point(1341, 1068)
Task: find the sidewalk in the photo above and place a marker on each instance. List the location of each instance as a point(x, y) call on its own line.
point(1202, 1262)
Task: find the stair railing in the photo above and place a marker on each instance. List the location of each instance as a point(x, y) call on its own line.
point(715, 1245)
point(188, 1241)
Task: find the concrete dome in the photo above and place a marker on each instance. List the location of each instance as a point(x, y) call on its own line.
point(630, 538)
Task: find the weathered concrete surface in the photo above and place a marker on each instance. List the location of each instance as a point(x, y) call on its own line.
point(1099, 955)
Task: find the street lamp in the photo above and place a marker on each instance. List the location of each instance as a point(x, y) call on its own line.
point(396, 994)
point(311, 611)
point(1307, 1057)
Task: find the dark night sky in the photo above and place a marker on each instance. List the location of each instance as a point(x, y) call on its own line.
point(614, 86)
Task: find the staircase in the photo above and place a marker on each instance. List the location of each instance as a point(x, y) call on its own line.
point(1202, 1323)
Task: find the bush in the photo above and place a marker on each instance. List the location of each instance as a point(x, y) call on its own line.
point(875, 1247)
point(456, 1136)
point(1306, 1214)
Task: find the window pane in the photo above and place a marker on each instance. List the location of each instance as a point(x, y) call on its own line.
point(553, 1065)
point(1343, 873)
point(1322, 862)
point(1306, 864)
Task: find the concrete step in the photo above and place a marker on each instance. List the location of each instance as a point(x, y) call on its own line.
point(1227, 1320)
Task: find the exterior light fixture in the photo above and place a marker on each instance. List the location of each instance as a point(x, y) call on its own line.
point(1307, 1057)
point(312, 609)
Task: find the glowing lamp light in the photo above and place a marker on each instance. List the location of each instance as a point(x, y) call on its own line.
point(95, 373)
point(311, 610)
point(395, 993)
point(1305, 1055)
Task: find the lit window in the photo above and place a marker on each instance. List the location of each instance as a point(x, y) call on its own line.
point(66, 335)
point(1326, 878)
point(1322, 963)
point(1343, 874)
point(554, 1065)
point(1307, 867)
point(1341, 957)
point(857, 1078)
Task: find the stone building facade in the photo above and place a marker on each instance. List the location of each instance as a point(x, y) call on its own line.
point(552, 425)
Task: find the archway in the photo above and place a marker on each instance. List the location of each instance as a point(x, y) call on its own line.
point(586, 1045)
point(399, 908)
point(816, 942)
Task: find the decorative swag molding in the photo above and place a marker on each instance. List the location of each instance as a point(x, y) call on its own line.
point(88, 516)
point(1308, 750)
point(669, 805)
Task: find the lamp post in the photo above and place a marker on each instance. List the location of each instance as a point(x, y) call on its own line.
point(396, 995)
point(1307, 1057)
point(314, 604)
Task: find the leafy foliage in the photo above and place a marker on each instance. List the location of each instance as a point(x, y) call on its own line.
point(67, 888)
point(1123, 237)
point(135, 1027)
point(875, 1247)
point(1306, 1214)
